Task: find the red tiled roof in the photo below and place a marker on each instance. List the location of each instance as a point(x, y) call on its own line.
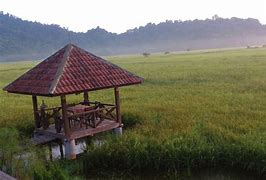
point(71, 70)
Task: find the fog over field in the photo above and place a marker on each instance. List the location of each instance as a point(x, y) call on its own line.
point(24, 40)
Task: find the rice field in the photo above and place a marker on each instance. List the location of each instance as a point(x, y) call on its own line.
point(193, 111)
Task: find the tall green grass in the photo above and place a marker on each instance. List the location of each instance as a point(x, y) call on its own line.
point(193, 110)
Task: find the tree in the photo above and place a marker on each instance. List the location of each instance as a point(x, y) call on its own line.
point(145, 54)
point(215, 17)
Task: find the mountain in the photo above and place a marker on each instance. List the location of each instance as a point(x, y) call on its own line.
point(24, 40)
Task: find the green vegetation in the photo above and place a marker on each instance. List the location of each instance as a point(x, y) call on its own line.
point(19, 158)
point(194, 110)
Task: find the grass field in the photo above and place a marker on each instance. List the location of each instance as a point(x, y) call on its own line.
point(194, 110)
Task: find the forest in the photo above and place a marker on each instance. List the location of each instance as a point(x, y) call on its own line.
point(26, 40)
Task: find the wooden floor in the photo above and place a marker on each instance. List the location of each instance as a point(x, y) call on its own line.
point(77, 132)
point(40, 139)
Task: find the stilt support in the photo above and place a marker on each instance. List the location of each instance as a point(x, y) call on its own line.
point(70, 149)
point(118, 131)
point(61, 150)
point(50, 152)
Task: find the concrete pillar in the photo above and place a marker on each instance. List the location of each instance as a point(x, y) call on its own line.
point(70, 149)
point(118, 131)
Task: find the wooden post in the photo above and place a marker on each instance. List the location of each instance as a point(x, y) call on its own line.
point(64, 116)
point(35, 112)
point(86, 98)
point(50, 152)
point(117, 103)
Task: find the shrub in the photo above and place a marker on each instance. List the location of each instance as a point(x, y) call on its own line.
point(145, 54)
point(130, 120)
point(52, 171)
point(24, 161)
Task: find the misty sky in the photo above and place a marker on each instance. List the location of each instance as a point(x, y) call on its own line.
point(121, 15)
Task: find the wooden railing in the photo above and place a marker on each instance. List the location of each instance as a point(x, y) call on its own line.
point(49, 116)
point(92, 116)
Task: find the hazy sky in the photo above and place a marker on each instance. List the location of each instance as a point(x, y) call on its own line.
point(120, 15)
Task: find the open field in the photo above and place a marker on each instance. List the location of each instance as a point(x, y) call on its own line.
point(194, 110)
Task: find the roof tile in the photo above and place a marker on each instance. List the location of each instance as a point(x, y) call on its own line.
point(71, 70)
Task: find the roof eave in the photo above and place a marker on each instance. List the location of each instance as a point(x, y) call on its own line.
point(73, 92)
point(96, 89)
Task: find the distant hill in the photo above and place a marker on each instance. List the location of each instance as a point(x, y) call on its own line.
point(21, 40)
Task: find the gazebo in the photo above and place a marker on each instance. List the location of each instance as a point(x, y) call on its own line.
point(72, 70)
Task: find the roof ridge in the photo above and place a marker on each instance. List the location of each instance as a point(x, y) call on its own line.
point(61, 67)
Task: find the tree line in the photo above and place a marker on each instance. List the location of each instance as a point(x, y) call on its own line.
point(22, 39)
